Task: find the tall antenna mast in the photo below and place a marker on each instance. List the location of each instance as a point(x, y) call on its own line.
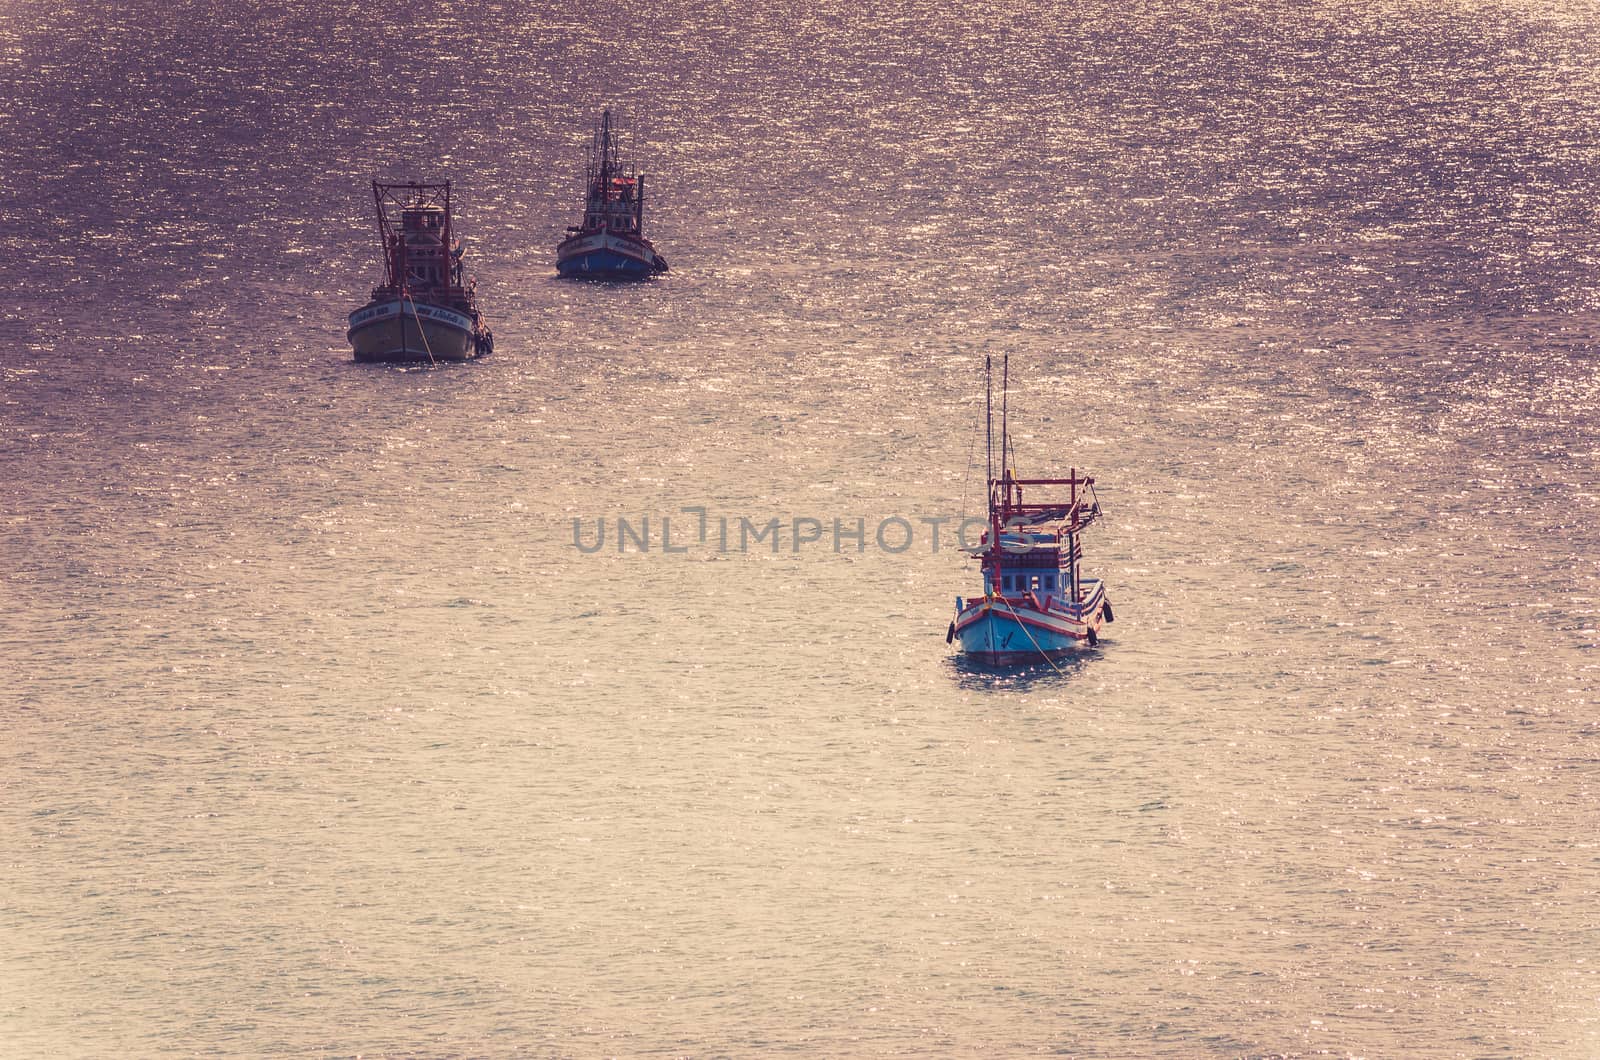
point(988, 425)
point(605, 155)
point(1005, 429)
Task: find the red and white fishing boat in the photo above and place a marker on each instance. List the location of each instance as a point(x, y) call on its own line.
point(610, 243)
point(426, 309)
point(1036, 602)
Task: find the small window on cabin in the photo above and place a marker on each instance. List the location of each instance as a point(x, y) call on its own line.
point(1034, 583)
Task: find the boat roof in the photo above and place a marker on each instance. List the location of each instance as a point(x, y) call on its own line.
point(1037, 538)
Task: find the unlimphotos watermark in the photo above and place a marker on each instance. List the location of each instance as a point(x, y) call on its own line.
point(707, 531)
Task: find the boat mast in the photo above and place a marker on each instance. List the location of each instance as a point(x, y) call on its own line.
point(638, 185)
point(989, 477)
point(1005, 429)
point(444, 236)
point(591, 168)
point(1072, 539)
point(988, 425)
point(383, 233)
point(605, 157)
point(994, 511)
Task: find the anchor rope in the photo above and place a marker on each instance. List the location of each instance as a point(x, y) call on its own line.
point(1024, 627)
point(405, 295)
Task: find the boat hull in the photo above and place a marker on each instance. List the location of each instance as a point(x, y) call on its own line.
point(1008, 631)
point(604, 256)
point(403, 332)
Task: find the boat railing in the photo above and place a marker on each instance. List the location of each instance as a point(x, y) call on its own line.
point(1078, 508)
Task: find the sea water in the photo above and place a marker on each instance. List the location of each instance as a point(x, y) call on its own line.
point(324, 736)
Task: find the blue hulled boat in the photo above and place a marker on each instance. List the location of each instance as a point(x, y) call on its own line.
point(610, 243)
point(1036, 601)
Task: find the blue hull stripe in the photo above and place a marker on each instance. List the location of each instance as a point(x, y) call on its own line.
point(603, 263)
point(997, 633)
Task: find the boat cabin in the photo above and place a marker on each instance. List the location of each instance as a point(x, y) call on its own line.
point(1030, 562)
point(1026, 582)
point(614, 208)
point(422, 230)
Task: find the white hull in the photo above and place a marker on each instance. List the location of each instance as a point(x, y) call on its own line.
point(412, 331)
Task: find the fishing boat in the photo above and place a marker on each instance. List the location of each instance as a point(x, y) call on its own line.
point(610, 243)
point(426, 309)
point(1036, 603)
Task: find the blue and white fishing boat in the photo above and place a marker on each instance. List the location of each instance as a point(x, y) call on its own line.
point(610, 243)
point(1036, 602)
